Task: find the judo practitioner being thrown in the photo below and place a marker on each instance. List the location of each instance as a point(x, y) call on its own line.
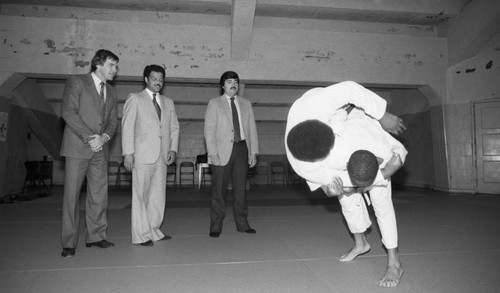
point(324, 128)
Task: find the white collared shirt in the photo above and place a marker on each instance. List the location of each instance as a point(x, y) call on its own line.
point(158, 100)
point(237, 104)
point(97, 82)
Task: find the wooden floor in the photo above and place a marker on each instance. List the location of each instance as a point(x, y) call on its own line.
point(448, 243)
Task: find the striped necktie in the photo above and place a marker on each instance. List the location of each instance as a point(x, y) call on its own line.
point(157, 107)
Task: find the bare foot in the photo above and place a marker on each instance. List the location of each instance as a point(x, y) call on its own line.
point(392, 276)
point(355, 251)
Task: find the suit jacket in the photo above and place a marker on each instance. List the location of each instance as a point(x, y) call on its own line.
point(219, 132)
point(82, 112)
point(143, 134)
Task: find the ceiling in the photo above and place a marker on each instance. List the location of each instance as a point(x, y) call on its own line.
point(413, 12)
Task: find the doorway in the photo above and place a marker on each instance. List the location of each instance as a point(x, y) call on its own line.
point(487, 145)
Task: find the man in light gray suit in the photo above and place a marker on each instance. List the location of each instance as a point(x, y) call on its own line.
point(89, 110)
point(150, 137)
point(232, 145)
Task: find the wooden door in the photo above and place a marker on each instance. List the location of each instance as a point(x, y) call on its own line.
point(487, 145)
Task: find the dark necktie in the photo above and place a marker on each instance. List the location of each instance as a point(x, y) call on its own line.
point(157, 107)
point(236, 122)
point(103, 102)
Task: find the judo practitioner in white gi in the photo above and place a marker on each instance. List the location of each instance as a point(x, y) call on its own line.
point(320, 138)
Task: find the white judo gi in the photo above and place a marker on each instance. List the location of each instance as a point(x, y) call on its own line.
point(353, 132)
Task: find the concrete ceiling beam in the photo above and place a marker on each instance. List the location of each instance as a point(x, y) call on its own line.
point(446, 7)
point(242, 19)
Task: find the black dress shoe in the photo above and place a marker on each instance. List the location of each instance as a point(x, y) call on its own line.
point(166, 237)
point(68, 252)
point(250, 231)
point(101, 244)
point(147, 243)
point(214, 234)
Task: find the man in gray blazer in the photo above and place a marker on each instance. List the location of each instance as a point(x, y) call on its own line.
point(150, 136)
point(232, 146)
point(89, 110)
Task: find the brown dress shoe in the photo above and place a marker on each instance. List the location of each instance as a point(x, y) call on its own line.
point(166, 237)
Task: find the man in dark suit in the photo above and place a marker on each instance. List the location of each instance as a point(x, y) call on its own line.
point(150, 136)
point(89, 110)
point(232, 146)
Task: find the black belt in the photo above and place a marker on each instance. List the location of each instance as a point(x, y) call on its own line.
point(366, 198)
point(240, 141)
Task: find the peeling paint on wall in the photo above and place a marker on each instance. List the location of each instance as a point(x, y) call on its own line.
point(161, 15)
point(81, 63)
point(51, 45)
point(410, 58)
point(489, 64)
point(26, 42)
point(179, 53)
point(69, 50)
point(212, 53)
point(428, 28)
point(317, 55)
point(470, 70)
point(213, 56)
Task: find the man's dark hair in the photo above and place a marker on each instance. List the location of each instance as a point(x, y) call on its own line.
point(150, 68)
point(310, 140)
point(362, 168)
point(100, 57)
point(228, 75)
point(225, 76)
